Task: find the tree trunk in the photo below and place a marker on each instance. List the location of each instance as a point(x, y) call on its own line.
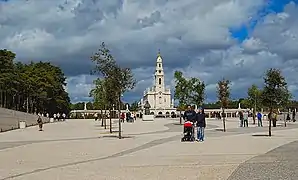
point(180, 117)
point(101, 117)
point(18, 103)
point(119, 117)
point(270, 119)
point(285, 120)
point(27, 104)
point(254, 117)
point(110, 121)
point(5, 99)
point(105, 119)
point(224, 119)
point(1, 98)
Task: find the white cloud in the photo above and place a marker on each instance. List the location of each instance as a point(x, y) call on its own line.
point(193, 35)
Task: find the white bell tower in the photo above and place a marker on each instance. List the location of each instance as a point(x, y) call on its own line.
point(159, 75)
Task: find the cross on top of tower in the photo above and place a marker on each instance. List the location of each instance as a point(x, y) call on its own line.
point(158, 54)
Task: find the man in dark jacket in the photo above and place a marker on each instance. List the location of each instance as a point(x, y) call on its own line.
point(39, 122)
point(189, 114)
point(201, 124)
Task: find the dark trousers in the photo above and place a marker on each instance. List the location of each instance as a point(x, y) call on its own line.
point(274, 122)
point(260, 124)
point(40, 126)
point(245, 123)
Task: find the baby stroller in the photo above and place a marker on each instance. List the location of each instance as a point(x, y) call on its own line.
point(188, 132)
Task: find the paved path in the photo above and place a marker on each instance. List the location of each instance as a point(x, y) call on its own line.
point(81, 149)
point(280, 163)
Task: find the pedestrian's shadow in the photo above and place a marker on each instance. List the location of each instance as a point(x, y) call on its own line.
point(221, 130)
point(116, 136)
point(261, 135)
point(178, 124)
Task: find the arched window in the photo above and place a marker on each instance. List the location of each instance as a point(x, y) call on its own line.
point(159, 81)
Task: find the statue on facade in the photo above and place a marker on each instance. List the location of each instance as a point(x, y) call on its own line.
point(147, 108)
point(85, 106)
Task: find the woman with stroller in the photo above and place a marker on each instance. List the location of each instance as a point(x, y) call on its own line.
point(201, 124)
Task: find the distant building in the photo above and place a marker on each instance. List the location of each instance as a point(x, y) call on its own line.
point(158, 96)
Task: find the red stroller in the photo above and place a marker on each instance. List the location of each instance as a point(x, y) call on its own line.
point(188, 132)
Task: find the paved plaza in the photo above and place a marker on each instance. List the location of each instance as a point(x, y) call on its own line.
point(83, 150)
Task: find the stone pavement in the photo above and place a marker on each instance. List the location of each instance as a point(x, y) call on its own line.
point(81, 149)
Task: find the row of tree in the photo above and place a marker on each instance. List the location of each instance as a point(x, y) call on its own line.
point(94, 106)
point(34, 87)
point(112, 83)
point(273, 95)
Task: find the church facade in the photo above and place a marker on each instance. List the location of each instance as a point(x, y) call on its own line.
point(158, 96)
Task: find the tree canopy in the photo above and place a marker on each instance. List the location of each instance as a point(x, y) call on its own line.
point(188, 91)
point(275, 93)
point(34, 87)
point(113, 80)
point(223, 92)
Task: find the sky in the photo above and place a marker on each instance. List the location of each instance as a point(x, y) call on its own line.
point(235, 39)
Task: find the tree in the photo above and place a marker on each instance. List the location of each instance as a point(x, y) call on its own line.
point(223, 91)
point(253, 97)
point(197, 91)
point(134, 106)
point(77, 106)
point(275, 93)
point(7, 76)
point(215, 105)
point(34, 87)
point(188, 91)
point(245, 103)
point(118, 80)
point(100, 99)
point(181, 91)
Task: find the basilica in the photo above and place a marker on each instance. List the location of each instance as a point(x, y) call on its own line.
point(159, 98)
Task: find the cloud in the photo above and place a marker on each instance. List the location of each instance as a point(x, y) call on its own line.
point(194, 37)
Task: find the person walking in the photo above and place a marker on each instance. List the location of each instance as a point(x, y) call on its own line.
point(190, 114)
point(58, 116)
point(201, 125)
point(122, 117)
point(245, 119)
point(241, 118)
point(132, 117)
point(259, 116)
point(95, 116)
point(64, 116)
point(274, 118)
point(39, 122)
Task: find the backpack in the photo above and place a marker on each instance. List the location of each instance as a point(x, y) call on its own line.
point(39, 120)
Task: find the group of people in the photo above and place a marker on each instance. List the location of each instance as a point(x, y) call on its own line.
point(243, 116)
point(55, 116)
point(129, 117)
point(59, 117)
point(198, 118)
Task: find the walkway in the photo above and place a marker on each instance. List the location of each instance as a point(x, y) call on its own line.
point(82, 149)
